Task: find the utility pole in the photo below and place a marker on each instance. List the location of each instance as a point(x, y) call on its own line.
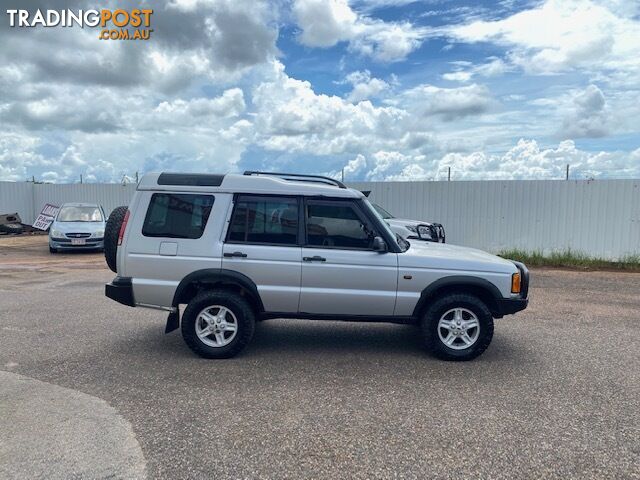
point(449, 174)
point(342, 174)
point(567, 174)
point(80, 179)
point(136, 177)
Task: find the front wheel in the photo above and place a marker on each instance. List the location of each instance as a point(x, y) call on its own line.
point(218, 324)
point(457, 327)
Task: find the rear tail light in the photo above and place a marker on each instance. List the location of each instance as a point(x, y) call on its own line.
point(123, 227)
point(515, 283)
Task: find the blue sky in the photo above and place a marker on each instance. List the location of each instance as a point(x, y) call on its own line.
point(382, 89)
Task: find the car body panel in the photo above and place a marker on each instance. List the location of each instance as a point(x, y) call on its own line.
point(357, 282)
point(276, 271)
point(427, 262)
point(156, 274)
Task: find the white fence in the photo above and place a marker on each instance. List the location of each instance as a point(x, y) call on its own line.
point(28, 199)
point(600, 218)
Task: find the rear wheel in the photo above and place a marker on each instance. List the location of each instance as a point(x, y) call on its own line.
point(218, 324)
point(111, 233)
point(457, 327)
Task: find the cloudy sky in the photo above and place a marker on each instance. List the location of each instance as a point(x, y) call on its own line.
point(384, 89)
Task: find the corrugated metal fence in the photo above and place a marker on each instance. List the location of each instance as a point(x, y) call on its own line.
point(28, 199)
point(600, 218)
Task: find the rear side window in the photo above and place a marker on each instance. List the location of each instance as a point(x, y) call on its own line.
point(264, 220)
point(177, 215)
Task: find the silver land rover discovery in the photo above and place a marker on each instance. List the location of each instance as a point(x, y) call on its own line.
point(236, 249)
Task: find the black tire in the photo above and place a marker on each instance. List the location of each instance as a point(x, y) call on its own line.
point(111, 232)
point(12, 228)
point(235, 303)
point(440, 307)
point(53, 250)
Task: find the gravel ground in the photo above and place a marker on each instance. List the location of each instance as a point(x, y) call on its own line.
point(556, 395)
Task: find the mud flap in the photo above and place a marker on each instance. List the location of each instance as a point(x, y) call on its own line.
point(173, 322)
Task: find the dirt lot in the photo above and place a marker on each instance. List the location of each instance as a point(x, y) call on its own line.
point(556, 395)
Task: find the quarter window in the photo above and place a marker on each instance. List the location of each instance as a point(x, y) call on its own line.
point(264, 220)
point(336, 225)
point(177, 215)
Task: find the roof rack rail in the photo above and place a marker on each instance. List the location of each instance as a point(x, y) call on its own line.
point(299, 177)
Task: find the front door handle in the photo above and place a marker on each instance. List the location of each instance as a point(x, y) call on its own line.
point(235, 254)
point(316, 258)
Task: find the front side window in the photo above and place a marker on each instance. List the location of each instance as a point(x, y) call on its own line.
point(264, 220)
point(177, 215)
point(79, 214)
point(337, 225)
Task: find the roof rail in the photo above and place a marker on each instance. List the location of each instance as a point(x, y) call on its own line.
point(299, 177)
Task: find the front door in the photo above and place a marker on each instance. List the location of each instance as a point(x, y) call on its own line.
point(341, 273)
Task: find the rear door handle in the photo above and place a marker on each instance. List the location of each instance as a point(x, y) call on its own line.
point(316, 258)
point(235, 254)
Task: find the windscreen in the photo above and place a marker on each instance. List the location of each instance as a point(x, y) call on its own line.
point(80, 214)
point(402, 243)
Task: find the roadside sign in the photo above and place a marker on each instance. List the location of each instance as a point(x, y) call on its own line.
point(45, 219)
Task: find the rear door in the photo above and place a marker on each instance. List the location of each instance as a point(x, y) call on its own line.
point(170, 235)
point(263, 243)
point(341, 273)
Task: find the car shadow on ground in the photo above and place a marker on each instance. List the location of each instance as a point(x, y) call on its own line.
point(287, 338)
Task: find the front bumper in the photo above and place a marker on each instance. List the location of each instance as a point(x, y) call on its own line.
point(121, 290)
point(508, 306)
point(66, 244)
point(436, 234)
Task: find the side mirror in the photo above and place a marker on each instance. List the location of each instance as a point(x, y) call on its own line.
point(379, 245)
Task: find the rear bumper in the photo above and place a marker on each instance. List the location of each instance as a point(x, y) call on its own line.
point(121, 290)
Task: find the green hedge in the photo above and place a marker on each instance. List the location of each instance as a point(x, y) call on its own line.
point(571, 259)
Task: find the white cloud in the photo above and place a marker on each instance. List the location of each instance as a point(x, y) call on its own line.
point(525, 160)
point(588, 116)
point(561, 35)
point(229, 104)
point(465, 71)
point(458, 76)
point(324, 23)
point(364, 86)
point(291, 117)
point(448, 103)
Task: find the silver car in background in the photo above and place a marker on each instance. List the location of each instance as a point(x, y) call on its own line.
point(412, 229)
point(77, 226)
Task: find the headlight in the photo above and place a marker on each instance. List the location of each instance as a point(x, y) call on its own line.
point(98, 234)
point(411, 228)
point(57, 234)
point(424, 232)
